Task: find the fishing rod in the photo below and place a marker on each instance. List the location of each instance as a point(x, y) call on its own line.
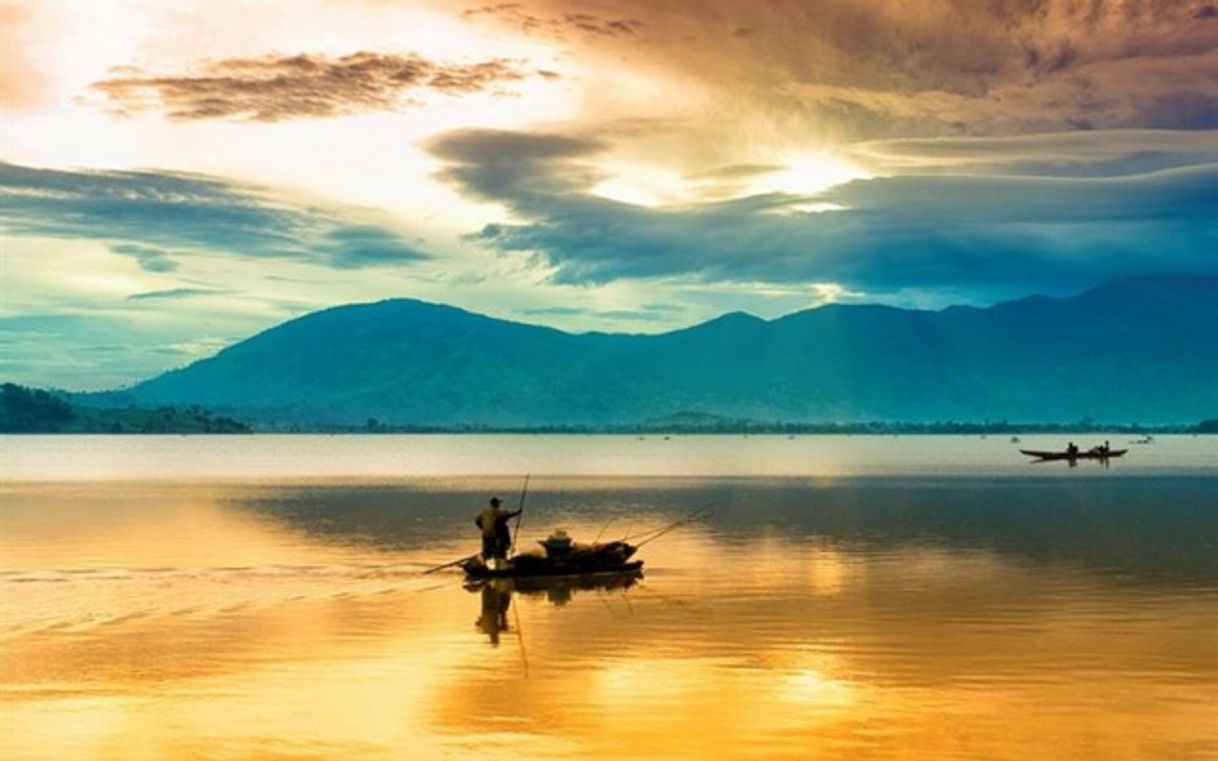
point(700, 513)
point(600, 533)
point(520, 511)
point(661, 533)
point(657, 533)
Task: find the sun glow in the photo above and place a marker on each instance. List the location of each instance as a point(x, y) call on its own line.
point(641, 185)
point(805, 173)
point(811, 686)
point(808, 173)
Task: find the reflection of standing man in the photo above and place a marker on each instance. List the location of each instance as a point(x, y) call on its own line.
point(496, 536)
point(495, 604)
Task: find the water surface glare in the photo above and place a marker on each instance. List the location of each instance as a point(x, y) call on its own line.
point(244, 608)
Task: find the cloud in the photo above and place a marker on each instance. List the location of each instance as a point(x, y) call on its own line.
point(992, 233)
point(149, 259)
point(497, 164)
point(558, 25)
point(85, 355)
point(104, 350)
point(736, 172)
point(355, 246)
point(142, 213)
point(848, 70)
point(1071, 154)
point(302, 86)
point(21, 76)
point(174, 294)
point(646, 313)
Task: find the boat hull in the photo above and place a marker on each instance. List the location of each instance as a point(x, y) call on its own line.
point(551, 569)
point(1043, 455)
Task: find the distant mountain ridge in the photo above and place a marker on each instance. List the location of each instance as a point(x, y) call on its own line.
point(1139, 349)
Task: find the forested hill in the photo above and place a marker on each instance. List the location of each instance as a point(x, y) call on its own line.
point(1132, 350)
point(27, 410)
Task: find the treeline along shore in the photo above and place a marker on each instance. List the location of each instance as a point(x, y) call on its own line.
point(729, 426)
point(28, 410)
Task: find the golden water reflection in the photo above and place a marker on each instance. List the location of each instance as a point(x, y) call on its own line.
point(263, 622)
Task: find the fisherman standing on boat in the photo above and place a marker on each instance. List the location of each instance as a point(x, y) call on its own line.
point(496, 536)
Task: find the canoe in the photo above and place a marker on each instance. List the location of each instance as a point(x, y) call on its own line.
point(578, 560)
point(480, 571)
point(1080, 455)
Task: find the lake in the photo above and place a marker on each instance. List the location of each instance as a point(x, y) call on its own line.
point(191, 597)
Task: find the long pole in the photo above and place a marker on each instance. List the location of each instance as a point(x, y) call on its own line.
point(442, 566)
point(520, 514)
point(524, 656)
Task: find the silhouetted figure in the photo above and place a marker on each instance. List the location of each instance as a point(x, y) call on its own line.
point(1072, 449)
point(495, 604)
point(496, 536)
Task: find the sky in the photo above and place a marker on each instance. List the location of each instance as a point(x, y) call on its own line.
point(176, 175)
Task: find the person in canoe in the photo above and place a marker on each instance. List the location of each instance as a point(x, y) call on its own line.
point(1072, 449)
point(496, 536)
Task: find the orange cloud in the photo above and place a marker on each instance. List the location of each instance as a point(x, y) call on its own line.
point(302, 86)
point(846, 70)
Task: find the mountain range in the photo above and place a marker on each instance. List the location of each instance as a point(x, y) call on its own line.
point(1139, 349)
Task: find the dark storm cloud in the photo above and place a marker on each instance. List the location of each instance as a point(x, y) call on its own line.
point(943, 230)
point(142, 213)
point(302, 86)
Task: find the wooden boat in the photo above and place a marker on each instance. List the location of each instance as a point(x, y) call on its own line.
point(619, 576)
point(562, 587)
point(578, 560)
point(1090, 454)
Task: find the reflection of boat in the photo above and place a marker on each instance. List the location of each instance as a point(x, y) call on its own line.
point(496, 594)
point(1094, 454)
point(577, 560)
point(559, 589)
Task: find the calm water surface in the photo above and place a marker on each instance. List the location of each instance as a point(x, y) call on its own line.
point(862, 597)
